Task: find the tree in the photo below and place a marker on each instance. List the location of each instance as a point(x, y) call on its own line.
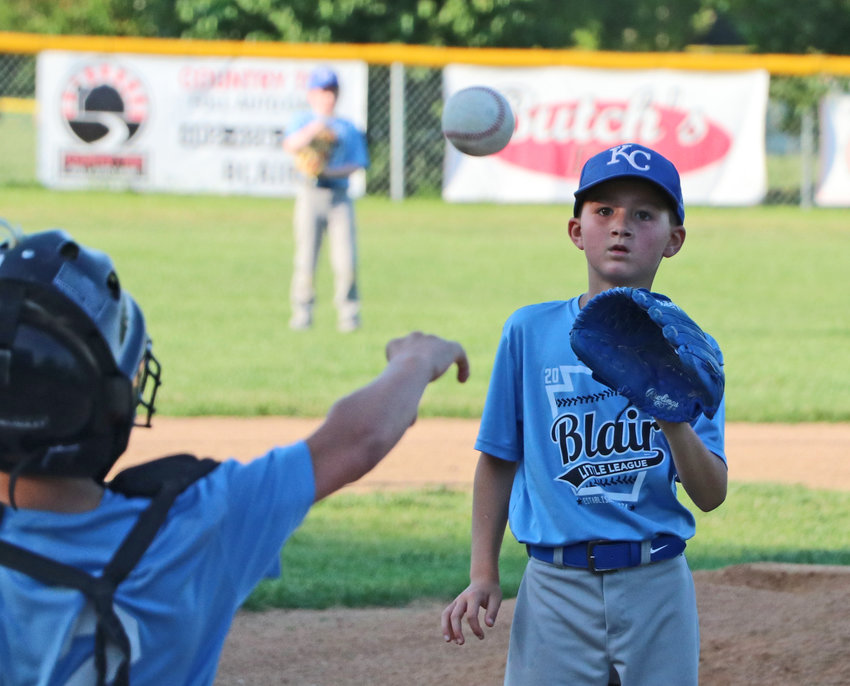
point(817, 26)
point(89, 17)
point(606, 24)
point(668, 25)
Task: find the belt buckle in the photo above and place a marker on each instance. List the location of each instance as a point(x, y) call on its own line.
point(591, 556)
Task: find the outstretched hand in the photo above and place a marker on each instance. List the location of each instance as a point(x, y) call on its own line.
point(440, 353)
point(364, 426)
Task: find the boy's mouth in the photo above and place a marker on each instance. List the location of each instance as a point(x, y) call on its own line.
point(619, 249)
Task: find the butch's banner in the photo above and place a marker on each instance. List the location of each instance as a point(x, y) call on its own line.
point(177, 124)
point(710, 125)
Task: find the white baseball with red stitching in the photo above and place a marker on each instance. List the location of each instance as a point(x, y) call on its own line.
point(478, 121)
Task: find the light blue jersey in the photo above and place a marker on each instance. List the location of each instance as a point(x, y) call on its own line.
point(350, 147)
point(590, 465)
point(221, 537)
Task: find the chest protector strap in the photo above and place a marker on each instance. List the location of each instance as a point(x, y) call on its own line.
point(161, 480)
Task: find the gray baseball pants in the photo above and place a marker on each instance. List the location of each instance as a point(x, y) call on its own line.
point(573, 627)
point(319, 211)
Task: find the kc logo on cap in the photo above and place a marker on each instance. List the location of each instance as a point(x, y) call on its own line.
point(622, 151)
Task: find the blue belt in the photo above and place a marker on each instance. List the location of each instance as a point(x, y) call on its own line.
point(609, 556)
point(330, 184)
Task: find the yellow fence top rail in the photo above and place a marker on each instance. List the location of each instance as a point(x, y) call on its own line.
point(434, 56)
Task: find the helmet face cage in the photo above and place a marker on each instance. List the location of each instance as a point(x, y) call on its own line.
point(75, 359)
point(149, 381)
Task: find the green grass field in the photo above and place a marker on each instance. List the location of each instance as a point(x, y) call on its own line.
point(394, 548)
point(212, 275)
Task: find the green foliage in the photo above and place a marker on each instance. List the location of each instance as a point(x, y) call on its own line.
point(394, 548)
point(247, 19)
point(783, 27)
point(90, 17)
point(767, 25)
point(610, 25)
point(803, 94)
point(153, 18)
point(483, 23)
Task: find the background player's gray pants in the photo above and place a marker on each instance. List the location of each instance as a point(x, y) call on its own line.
point(571, 626)
point(319, 211)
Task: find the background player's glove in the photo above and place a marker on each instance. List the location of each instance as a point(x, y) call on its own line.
point(312, 159)
point(645, 347)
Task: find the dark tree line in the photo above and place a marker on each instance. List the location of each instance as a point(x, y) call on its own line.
point(820, 26)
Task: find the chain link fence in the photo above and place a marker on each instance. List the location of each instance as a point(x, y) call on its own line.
point(17, 76)
point(791, 137)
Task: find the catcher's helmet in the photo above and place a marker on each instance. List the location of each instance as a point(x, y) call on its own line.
point(75, 359)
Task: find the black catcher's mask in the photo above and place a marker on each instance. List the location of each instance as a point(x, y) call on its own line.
point(75, 359)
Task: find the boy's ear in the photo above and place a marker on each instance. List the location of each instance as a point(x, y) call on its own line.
point(574, 229)
point(677, 240)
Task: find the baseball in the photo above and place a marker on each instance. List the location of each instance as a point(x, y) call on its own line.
point(478, 121)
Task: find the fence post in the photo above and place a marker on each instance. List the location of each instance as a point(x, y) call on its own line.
point(807, 149)
point(397, 131)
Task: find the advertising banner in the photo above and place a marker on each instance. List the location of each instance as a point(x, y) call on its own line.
point(834, 187)
point(178, 124)
point(711, 125)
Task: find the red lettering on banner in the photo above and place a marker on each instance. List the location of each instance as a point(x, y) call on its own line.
point(557, 138)
point(87, 162)
point(206, 78)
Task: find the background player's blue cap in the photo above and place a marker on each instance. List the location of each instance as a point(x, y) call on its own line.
point(636, 161)
point(324, 78)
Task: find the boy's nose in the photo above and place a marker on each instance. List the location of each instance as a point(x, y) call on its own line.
point(620, 227)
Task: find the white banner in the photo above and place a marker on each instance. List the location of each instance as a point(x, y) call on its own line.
point(834, 187)
point(178, 124)
point(710, 125)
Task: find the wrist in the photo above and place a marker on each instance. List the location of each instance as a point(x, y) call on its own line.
point(484, 574)
point(671, 427)
point(412, 365)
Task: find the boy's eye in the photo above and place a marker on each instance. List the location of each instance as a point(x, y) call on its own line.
point(643, 215)
point(605, 211)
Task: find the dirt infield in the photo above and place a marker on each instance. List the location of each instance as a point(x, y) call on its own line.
point(761, 624)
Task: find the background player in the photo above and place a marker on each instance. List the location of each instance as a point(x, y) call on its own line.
point(322, 203)
point(607, 592)
point(73, 354)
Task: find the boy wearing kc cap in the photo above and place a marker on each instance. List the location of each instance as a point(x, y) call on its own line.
point(588, 481)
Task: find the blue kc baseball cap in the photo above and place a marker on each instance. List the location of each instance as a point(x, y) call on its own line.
point(635, 161)
point(324, 78)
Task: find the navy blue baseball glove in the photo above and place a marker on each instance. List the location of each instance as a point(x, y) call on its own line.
point(645, 347)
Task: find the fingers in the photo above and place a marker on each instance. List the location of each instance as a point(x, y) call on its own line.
point(462, 362)
point(468, 606)
point(450, 621)
point(492, 613)
point(440, 353)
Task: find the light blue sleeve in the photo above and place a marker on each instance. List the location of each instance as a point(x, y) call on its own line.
point(351, 148)
point(500, 433)
point(263, 502)
point(712, 431)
